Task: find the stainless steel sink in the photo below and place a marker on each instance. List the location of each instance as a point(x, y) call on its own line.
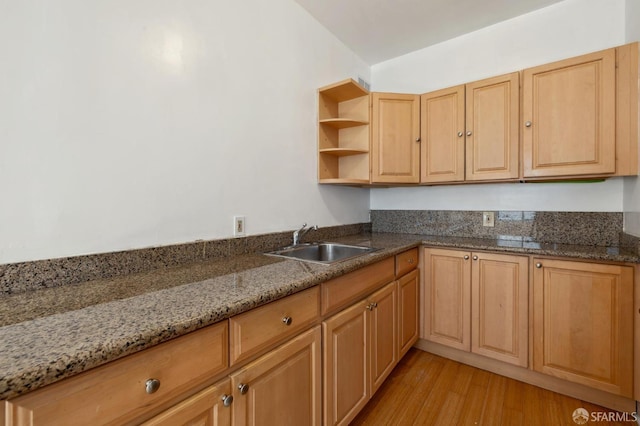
point(325, 253)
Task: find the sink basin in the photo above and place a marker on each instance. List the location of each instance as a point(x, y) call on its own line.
point(325, 253)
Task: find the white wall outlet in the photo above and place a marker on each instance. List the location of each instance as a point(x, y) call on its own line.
point(488, 219)
point(239, 226)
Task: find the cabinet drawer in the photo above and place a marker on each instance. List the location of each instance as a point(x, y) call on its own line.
point(406, 261)
point(116, 392)
point(340, 292)
point(256, 330)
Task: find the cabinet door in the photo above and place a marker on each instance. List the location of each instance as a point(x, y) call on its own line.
point(492, 117)
point(395, 138)
point(499, 307)
point(345, 362)
point(206, 408)
point(569, 117)
point(384, 334)
point(583, 323)
point(448, 297)
point(442, 133)
point(408, 311)
point(282, 387)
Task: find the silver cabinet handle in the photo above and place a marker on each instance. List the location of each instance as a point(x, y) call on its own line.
point(460, 134)
point(370, 306)
point(469, 133)
point(466, 257)
point(151, 386)
point(410, 261)
point(538, 265)
point(475, 257)
point(287, 320)
point(527, 124)
point(227, 400)
point(375, 305)
point(418, 139)
point(243, 388)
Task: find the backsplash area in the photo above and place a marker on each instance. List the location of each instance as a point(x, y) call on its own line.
point(596, 229)
point(26, 276)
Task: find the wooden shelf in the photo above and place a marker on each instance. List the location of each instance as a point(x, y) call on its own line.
point(343, 152)
point(340, 181)
point(343, 123)
point(343, 134)
point(344, 90)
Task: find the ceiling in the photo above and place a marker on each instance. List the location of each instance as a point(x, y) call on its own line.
point(377, 30)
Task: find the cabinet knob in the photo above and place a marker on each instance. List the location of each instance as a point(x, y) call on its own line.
point(227, 400)
point(370, 306)
point(418, 139)
point(151, 386)
point(243, 388)
point(538, 265)
point(527, 124)
point(375, 305)
point(287, 320)
point(460, 134)
point(469, 133)
point(475, 257)
point(466, 257)
point(410, 261)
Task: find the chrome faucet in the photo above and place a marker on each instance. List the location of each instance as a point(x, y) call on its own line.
point(301, 232)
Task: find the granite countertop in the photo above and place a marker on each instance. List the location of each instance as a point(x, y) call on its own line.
point(54, 333)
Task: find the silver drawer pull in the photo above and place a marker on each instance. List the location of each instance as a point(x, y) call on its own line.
point(152, 385)
point(243, 388)
point(287, 320)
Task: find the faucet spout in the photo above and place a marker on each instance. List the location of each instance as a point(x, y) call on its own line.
point(297, 235)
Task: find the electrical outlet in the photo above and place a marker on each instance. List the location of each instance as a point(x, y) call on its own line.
point(488, 219)
point(239, 226)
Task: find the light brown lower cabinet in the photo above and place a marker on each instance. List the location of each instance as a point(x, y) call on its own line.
point(383, 317)
point(210, 407)
point(282, 387)
point(478, 302)
point(408, 311)
point(360, 351)
point(583, 323)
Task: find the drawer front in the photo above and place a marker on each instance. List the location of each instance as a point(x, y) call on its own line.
point(340, 292)
point(254, 331)
point(116, 393)
point(406, 262)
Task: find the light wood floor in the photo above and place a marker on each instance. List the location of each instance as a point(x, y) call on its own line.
point(425, 389)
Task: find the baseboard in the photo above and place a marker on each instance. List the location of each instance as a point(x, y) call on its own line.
point(525, 375)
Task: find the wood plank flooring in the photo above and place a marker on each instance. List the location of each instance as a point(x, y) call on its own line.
point(425, 389)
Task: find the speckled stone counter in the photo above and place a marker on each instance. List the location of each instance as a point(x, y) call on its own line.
point(53, 333)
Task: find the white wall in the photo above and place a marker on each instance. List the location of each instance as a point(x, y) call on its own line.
point(566, 29)
point(631, 184)
point(127, 124)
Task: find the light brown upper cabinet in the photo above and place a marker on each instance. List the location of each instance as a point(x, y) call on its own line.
point(569, 117)
point(395, 135)
point(343, 134)
point(491, 137)
point(442, 131)
point(470, 132)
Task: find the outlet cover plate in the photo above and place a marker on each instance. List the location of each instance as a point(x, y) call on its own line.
point(488, 219)
point(239, 226)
